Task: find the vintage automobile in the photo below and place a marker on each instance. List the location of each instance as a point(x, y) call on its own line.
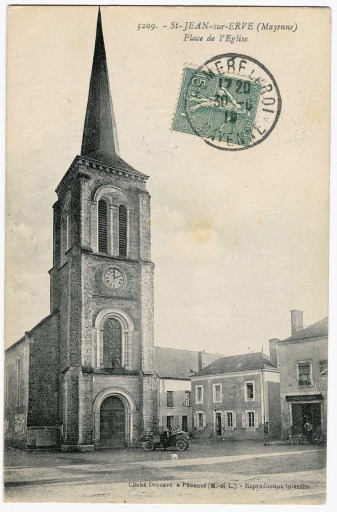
point(176, 439)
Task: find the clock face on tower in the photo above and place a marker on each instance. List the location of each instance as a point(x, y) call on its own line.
point(113, 278)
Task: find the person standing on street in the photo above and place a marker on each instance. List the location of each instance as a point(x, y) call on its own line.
point(165, 438)
point(308, 431)
point(266, 433)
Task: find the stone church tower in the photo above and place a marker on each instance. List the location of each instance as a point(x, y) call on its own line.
point(83, 378)
point(102, 284)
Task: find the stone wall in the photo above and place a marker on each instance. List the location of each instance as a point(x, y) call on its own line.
point(44, 374)
point(274, 406)
point(16, 384)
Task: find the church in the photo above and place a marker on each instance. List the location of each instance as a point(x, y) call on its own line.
point(84, 377)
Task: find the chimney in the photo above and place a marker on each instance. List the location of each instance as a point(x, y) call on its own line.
point(296, 321)
point(200, 360)
point(273, 351)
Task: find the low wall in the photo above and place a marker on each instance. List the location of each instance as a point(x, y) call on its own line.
point(43, 437)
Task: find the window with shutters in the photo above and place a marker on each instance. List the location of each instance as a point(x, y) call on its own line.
point(169, 399)
point(200, 418)
point(199, 394)
point(112, 344)
point(187, 399)
point(250, 419)
point(217, 392)
point(230, 420)
point(249, 391)
point(304, 374)
point(123, 231)
point(102, 226)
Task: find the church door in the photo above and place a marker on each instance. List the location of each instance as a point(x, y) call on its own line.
point(112, 423)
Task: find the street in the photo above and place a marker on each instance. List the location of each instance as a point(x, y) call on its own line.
point(232, 472)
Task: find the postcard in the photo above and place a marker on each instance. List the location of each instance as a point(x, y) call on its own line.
point(167, 213)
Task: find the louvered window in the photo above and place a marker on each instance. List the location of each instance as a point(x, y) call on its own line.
point(67, 231)
point(112, 344)
point(102, 226)
point(123, 233)
point(66, 228)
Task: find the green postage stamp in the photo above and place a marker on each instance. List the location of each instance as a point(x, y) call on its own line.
point(232, 102)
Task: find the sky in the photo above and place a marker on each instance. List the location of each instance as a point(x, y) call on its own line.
point(238, 239)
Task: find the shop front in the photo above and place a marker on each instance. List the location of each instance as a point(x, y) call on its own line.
point(305, 409)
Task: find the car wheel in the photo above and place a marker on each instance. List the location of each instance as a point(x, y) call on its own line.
point(187, 445)
point(181, 445)
point(149, 446)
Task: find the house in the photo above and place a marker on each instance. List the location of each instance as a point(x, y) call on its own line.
point(174, 368)
point(235, 395)
point(303, 364)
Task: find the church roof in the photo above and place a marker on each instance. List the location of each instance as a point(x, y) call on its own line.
point(172, 363)
point(316, 330)
point(239, 363)
point(99, 135)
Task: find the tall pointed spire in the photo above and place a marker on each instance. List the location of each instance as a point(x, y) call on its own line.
point(99, 135)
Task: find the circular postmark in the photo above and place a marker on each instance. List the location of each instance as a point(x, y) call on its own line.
point(232, 101)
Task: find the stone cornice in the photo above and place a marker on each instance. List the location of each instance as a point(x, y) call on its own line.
point(92, 164)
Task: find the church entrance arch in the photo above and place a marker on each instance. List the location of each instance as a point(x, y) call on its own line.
point(112, 423)
point(114, 411)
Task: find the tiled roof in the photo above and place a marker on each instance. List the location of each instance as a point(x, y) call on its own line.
point(173, 363)
point(240, 363)
point(317, 330)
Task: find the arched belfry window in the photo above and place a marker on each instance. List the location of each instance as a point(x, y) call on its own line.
point(102, 226)
point(66, 228)
point(112, 344)
point(112, 222)
point(123, 231)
